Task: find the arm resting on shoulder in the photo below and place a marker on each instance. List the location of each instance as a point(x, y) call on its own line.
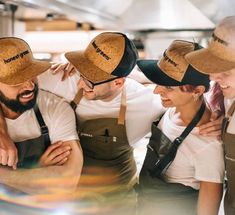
point(50, 179)
point(209, 199)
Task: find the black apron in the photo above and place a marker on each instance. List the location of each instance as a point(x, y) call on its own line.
point(30, 151)
point(159, 197)
point(109, 167)
point(229, 149)
point(155, 195)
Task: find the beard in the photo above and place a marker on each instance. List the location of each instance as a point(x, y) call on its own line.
point(16, 105)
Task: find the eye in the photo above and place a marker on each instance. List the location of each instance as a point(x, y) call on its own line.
point(168, 87)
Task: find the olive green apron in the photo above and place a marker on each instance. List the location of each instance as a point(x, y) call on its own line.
point(229, 149)
point(159, 197)
point(109, 166)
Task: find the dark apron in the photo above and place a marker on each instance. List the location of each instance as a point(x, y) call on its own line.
point(30, 151)
point(159, 197)
point(229, 149)
point(109, 166)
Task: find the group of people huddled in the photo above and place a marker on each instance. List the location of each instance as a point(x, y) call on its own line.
point(49, 153)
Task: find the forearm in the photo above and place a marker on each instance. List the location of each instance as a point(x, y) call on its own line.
point(33, 181)
point(209, 199)
point(3, 125)
point(51, 179)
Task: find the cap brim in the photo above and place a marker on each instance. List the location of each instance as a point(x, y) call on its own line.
point(207, 63)
point(33, 70)
point(152, 71)
point(86, 67)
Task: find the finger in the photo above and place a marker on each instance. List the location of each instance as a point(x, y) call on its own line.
point(212, 134)
point(54, 65)
point(58, 151)
point(62, 162)
point(210, 129)
point(72, 71)
point(61, 157)
point(52, 147)
point(11, 157)
point(210, 124)
point(4, 158)
point(59, 68)
point(65, 75)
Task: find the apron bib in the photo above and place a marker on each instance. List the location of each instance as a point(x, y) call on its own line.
point(109, 164)
point(30, 151)
point(229, 149)
point(159, 197)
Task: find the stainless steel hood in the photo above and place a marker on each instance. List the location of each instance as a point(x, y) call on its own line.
point(132, 15)
point(164, 15)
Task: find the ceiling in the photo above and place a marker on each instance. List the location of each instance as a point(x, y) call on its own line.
point(132, 15)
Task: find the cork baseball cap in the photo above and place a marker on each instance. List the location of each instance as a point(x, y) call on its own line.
point(17, 64)
point(108, 55)
point(172, 69)
point(220, 54)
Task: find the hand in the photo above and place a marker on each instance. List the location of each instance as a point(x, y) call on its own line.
point(212, 128)
point(8, 152)
point(67, 68)
point(56, 154)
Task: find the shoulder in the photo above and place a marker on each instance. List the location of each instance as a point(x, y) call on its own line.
point(52, 83)
point(48, 101)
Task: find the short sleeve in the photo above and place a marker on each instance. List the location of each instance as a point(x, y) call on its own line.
point(209, 163)
point(63, 126)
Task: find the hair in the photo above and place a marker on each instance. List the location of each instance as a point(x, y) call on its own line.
point(190, 88)
point(216, 99)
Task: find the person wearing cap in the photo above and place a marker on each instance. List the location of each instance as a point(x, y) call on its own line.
point(191, 182)
point(218, 60)
point(41, 125)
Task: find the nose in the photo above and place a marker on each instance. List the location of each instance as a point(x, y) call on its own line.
point(158, 89)
point(29, 85)
point(215, 77)
point(81, 83)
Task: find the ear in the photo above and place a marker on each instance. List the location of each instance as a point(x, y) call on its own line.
point(199, 90)
point(119, 82)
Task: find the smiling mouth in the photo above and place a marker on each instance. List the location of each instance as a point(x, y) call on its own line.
point(28, 95)
point(224, 86)
point(165, 99)
point(87, 91)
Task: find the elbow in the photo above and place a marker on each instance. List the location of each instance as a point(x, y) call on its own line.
point(72, 176)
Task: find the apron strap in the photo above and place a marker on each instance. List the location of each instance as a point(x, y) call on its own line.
point(231, 109)
point(42, 124)
point(122, 112)
point(77, 99)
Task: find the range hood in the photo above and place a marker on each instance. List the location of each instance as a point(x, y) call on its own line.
point(164, 15)
point(130, 15)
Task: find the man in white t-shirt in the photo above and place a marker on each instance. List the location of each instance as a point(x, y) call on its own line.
point(41, 125)
point(218, 60)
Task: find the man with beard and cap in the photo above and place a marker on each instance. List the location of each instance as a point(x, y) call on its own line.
point(37, 122)
point(218, 60)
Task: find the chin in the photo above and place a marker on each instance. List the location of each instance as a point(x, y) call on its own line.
point(229, 94)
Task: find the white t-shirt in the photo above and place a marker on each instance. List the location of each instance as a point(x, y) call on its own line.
point(57, 114)
point(198, 158)
point(143, 107)
point(231, 125)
